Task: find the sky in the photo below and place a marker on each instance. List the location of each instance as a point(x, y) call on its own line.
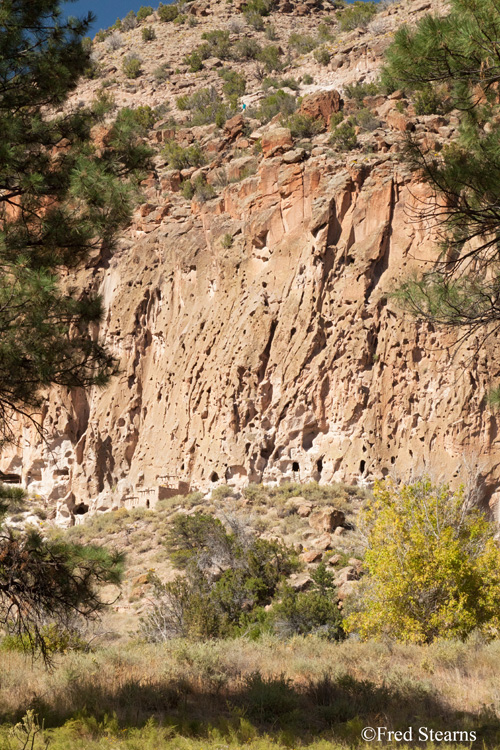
point(107, 11)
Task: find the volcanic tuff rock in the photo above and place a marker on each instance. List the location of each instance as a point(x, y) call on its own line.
point(280, 357)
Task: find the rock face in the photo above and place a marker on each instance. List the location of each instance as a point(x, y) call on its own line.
point(256, 332)
point(279, 358)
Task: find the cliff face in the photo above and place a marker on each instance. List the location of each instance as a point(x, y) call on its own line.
point(279, 357)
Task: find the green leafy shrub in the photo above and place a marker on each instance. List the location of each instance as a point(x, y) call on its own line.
point(58, 640)
point(307, 79)
point(255, 20)
point(322, 56)
point(343, 137)
point(102, 34)
point(270, 32)
point(234, 83)
point(262, 7)
point(275, 83)
point(303, 126)
point(324, 33)
point(246, 49)
point(194, 60)
point(223, 491)
point(367, 120)
point(358, 14)
point(358, 91)
point(302, 43)
point(229, 576)
point(138, 121)
point(206, 106)
point(132, 66)
point(433, 565)
point(144, 12)
point(203, 191)
point(429, 101)
point(148, 34)
point(187, 190)
point(226, 242)
point(270, 57)
point(274, 104)
point(268, 699)
point(182, 158)
point(217, 44)
point(167, 13)
point(314, 611)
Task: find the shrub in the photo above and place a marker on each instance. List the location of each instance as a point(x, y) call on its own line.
point(132, 66)
point(114, 41)
point(358, 91)
point(358, 14)
point(428, 101)
point(228, 577)
point(167, 12)
point(270, 32)
point(315, 611)
point(162, 73)
point(194, 61)
point(322, 56)
point(226, 242)
point(58, 640)
point(277, 103)
point(144, 12)
point(148, 34)
point(246, 49)
point(343, 137)
point(101, 35)
point(302, 43)
point(217, 43)
point(367, 120)
point(206, 106)
point(130, 21)
point(187, 190)
point(254, 19)
point(223, 491)
point(307, 79)
point(270, 57)
point(303, 126)
point(182, 158)
point(203, 191)
point(234, 83)
point(137, 121)
point(433, 565)
point(324, 33)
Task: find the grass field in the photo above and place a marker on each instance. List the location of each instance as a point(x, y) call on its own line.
point(301, 693)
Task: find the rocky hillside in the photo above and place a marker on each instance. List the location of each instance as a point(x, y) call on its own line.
point(249, 301)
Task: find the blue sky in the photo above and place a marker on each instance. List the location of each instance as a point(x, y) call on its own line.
point(107, 11)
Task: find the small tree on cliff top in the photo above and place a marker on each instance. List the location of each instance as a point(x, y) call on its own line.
point(433, 566)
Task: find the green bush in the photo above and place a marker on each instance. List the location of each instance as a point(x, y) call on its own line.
point(358, 14)
point(144, 12)
point(182, 158)
point(307, 79)
point(162, 73)
point(367, 120)
point(254, 19)
point(226, 242)
point(270, 57)
point(270, 32)
point(228, 577)
point(315, 611)
point(274, 104)
point(187, 190)
point(322, 56)
point(302, 43)
point(324, 33)
point(303, 126)
point(223, 491)
point(194, 61)
point(428, 101)
point(203, 191)
point(167, 12)
point(102, 34)
point(234, 83)
point(246, 49)
point(57, 640)
point(343, 137)
point(358, 91)
point(137, 121)
point(148, 34)
point(132, 66)
point(217, 44)
point(206, 106)
point(261, 7)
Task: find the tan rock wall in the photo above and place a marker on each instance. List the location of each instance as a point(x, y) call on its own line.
point(280, 357)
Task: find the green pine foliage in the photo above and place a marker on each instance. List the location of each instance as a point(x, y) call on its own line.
point(452, 63)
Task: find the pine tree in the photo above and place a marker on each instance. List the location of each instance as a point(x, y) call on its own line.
point(60, 199)
point(452, 63)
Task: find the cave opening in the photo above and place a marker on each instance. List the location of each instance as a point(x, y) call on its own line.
point(214, 477)
point(295, 466)
point(362, 466)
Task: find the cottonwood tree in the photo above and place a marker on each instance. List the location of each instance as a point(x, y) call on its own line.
point(60, 199)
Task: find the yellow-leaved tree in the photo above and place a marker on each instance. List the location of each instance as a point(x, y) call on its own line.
point(433, 566)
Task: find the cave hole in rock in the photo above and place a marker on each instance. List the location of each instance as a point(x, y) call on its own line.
point(81, 509)
point(295, 466)
point(319, 465)
point(214, 477)
point(362, 466)
point(147, 503)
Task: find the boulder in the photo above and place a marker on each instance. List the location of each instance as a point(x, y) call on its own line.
point(321, 105)
point(234, 127)
point(311, 556)
point(327, 520)
point(276, 141)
